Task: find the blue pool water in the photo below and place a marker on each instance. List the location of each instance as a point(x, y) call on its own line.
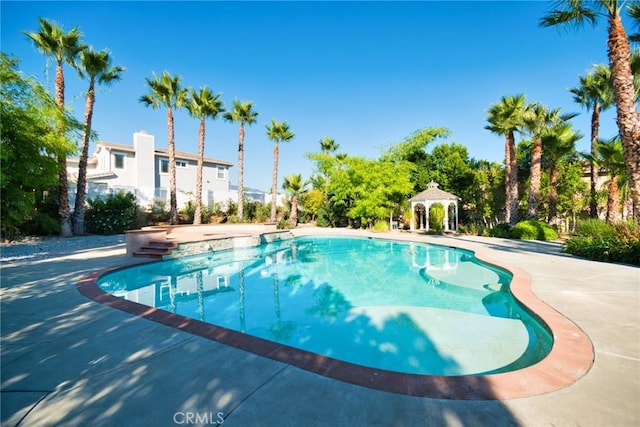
point(401, 306)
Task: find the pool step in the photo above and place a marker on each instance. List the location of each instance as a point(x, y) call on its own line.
point(156, 249)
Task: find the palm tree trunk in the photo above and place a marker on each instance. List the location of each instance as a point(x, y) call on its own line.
point(240, 173)
point(197, 215)
point(81, 190)
point(534, 181)
point(612, 200)
point(294, 211)
point(553, 194)
point(63, 185)
point(628, 118)
point(595, 126)
point(274, 182)
point(511, 180)
point(173, 203)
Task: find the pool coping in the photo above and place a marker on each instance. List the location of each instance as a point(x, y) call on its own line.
point(570, 358)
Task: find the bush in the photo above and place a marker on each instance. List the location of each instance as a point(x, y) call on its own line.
point(159, 211)
point(381, 226)
point(595, 228)
point(283, 224)
point(111, 215)
point(619, 242)
point(533, 230)
point(500, 230)
point(436, 217)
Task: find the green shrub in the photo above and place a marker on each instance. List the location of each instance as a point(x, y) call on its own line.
point(283, 224)
point(381, 226)
point(500, 230)
point(111, 215)
point(533, 230)
point(595, 228)
point(436, 217)
point(159, 211)
point(619, 242)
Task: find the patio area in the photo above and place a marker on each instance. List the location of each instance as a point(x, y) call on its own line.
point(67, 360)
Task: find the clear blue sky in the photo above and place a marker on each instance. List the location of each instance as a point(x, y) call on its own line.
point(366, 74)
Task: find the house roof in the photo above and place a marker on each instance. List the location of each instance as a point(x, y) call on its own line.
point(180, 155)
point(433, 193)
point(183, 155)
point(122, 147)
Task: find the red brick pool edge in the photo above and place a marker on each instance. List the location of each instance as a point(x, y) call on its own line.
point(571, 356)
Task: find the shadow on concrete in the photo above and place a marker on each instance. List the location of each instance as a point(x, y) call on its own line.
point(69, 361)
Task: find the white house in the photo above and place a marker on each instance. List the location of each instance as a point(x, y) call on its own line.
point(143, 169)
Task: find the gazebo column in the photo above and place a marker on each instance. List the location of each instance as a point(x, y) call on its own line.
point(446, 217)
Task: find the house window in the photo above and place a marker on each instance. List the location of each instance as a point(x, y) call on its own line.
point(181, 164)
point(119, 161)
point(222, 172)
point(164, 166)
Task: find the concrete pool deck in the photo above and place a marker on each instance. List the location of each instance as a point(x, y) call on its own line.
point(67, 360)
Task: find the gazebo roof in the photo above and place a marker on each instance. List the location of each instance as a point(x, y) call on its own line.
point(433, 193)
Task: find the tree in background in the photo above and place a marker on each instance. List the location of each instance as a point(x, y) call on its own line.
point(595, 93)
point(95, 67)
point(202, 105)
point(53, 42)
point(611, 159)
point(30, 146)
point(628, 118)
point(242, 114)
point(277, 132)
point(165, 91)
point(506, 118)
point(537, 120)
point(558, 143)
point(295, 186)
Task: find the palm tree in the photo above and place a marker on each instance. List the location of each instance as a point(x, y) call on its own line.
point(329, 145)
point(634, 12)
point(558, 142)
point(202, 105)
point(166, 92)
point(296, 187)
point(611, 158)
point(537, 120)
point(628, 119)
point(277, 132)
point(53, 42)
point(243, 114)
point(594, 93)
point(97, 68)
point(505, 118)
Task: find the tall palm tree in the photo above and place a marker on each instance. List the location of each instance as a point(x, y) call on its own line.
point(634, 12)
point(53, 42)
point(202, 105)
point(329, 145)
point(537, 120)
point(611, 158)
point(167, 92)
point(277, 132)
point(558, 142)
point(505, 118)
point(295, 186)
point(628, 119)
point(595, 93)
point(97, 68)
point(243, 114)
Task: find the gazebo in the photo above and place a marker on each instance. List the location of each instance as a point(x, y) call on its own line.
point(420, 208)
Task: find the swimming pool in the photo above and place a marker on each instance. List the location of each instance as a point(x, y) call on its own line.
point(396, 306)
